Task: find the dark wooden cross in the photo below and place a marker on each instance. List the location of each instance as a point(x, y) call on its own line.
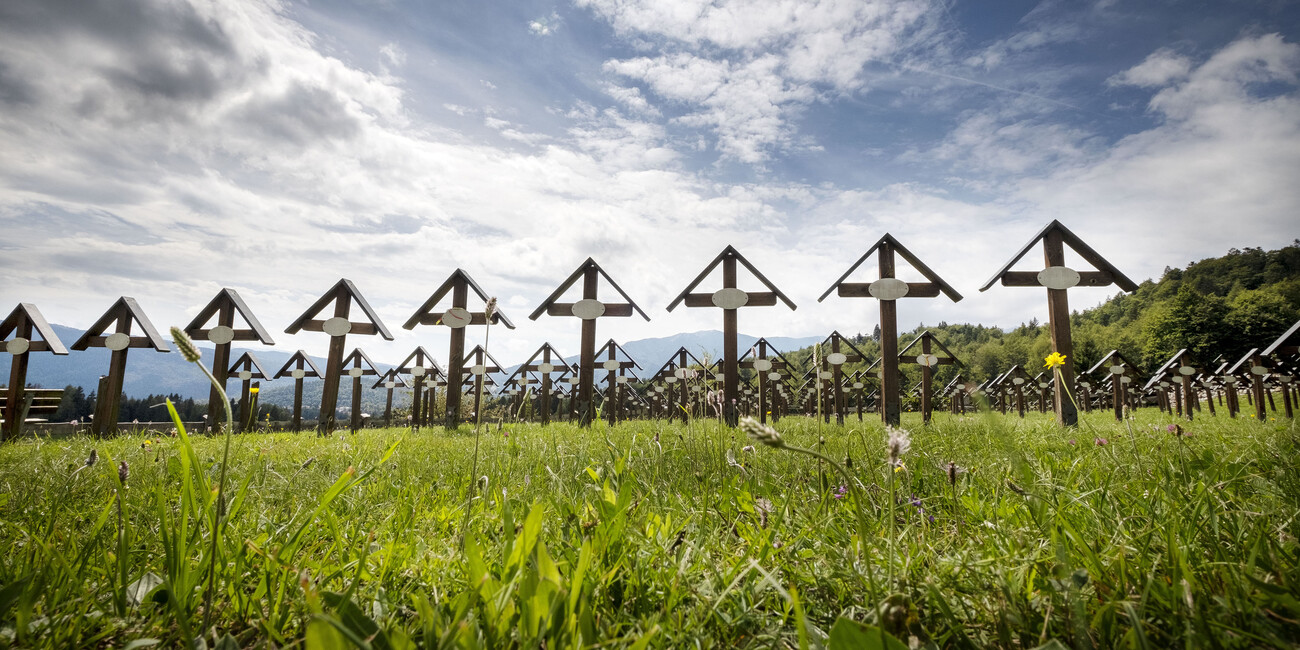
point(19, 331)
point(929, 362)
point(1121, 371)
point(1182, 371)
point(1254, 365)
point(838, 350)
point(1058, 278)
point(358, 365)
point(224, 307)
point(766, 362)
point(299, 366)
point(390, 381)
point(674, 373)
point(588, 309)
point(343, 295)
point(1285, 350)
point(120, 317)
point(549, 364)
point(422, 368)
point(888, 289)
point(730, 299)
point(616, 374)
point(457, 317)
point(246, 368)
point(479, 369)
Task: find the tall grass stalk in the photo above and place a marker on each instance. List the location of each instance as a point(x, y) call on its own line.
point(489, 311)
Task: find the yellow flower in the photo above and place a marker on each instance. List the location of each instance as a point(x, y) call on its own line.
point(1053, 360)
point(253, 390)
point(900, 467)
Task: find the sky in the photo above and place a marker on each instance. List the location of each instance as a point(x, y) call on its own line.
point(164, 149)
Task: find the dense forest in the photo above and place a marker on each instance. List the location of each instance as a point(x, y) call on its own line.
point(1217, 308)
point(77, 405)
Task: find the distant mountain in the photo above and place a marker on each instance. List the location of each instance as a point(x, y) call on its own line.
point(653, 353)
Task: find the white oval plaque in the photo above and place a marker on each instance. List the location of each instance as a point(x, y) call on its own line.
point(927, 360)
point(1043, 384)
point(762, 365)
point(337, 326)
point(1286, 379)
point(825, 374)
point(478, 369)
point(1186, 370)
point(418, 371)
point(545, 367)
point(774, 376)
point(221, 335)
point(356, 372)
point(611, 365)
point(1058, 277)
point(1126, 380)
point(457, 317)
point(17, 346)
point(1164, 384)
point(588, 309)
point(659, 389)
point(857, 385)
point(1178, 380)
point(887, 289)
point(1082, 383)
point(575, 380)
point(245, 375)
point(837, 358)
point(298, 373)
point(117, 341)
point(620, 380)
point(390, 384)
point(1258, 370)
point(670, 380)
point(1018, 380)
point(1117, 370)
point(430, 382)
point(730, 298)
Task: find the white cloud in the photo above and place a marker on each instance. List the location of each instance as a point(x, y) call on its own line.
point(1161, 67)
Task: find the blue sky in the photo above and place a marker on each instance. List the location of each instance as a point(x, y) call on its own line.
point(166, 148)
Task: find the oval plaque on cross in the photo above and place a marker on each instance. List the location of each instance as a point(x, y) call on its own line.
point(1258, 370)
point(762, 365)
point(298, 373)
point(356, 372)
point(837, 358)
point(927, 360)
point(575, 381)
point(390, 384)
point(620, 380)
point(857, 385)
point(337, 326)
point(611, 365)
point(1117, 370)
point(417, 371)
point(245, 375)
point(887, 289)
point(1186, 370)
point(670, 380)
point(1126, 380)
point(825, 374)
point(774, 376)
point(546, 368)
point(478, 369)
point(1058, 277)
point(1018, 381)
point(588, 309)
point(730, 298)
point(457, 317)
point(17, 345)
point(117, 341)
point(221, 335)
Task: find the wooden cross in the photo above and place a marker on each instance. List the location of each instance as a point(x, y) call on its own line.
point(929, 362)
point(224, 306)
point(1286, 347)
point(361, 366)
point(888, 289)
point(1181, 370)
point(421, 366)
point(125, 312)
point(766, 362)
point(1121, 371)
point(833, 362)
point(615, 375)
point(588, 309)
point(1058, 278)
point(344, 294)
point(479, 370)
point(389, 381)
point(1254, 365)
point(457, 317)
point(247, 368)
point(550, 362)
point(730, 299)
point(24, 323)
point(299, 366)
point(674, 373)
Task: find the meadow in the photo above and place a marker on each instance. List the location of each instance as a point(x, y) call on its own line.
point(1000, 532)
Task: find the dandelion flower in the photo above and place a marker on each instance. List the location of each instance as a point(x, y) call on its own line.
point(900, 441)
point(254, 390)
point(1054, 360)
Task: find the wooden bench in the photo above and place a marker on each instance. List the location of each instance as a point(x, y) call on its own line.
point(40, 403)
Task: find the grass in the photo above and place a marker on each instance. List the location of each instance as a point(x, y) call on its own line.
point(659, 535)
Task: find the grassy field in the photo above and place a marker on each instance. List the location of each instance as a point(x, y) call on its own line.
point(660, 535)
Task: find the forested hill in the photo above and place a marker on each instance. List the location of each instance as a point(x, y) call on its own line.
point(1218, 308)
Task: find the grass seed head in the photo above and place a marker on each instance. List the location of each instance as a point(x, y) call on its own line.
point(94, 456)
point(186, 345)
point(761, 432)
point(490, 309)
point(122, 472)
